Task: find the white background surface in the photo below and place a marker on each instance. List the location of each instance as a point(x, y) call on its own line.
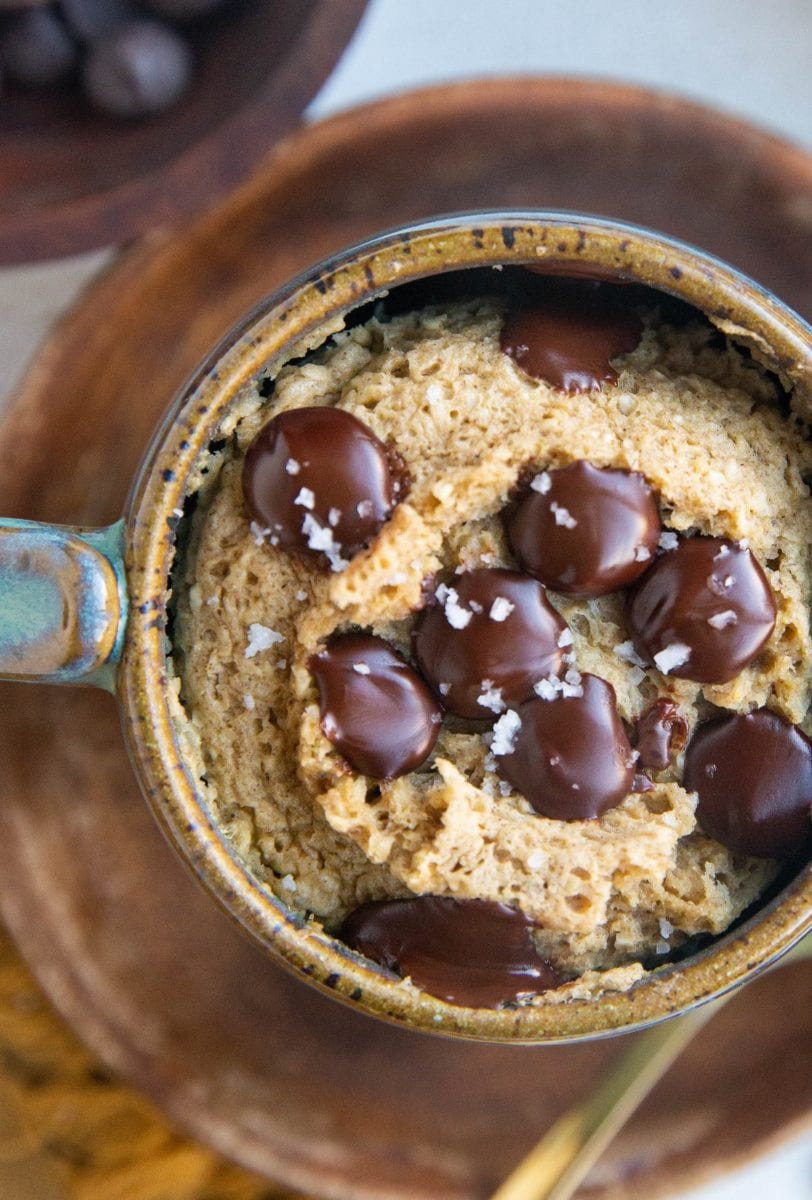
point(749, 57)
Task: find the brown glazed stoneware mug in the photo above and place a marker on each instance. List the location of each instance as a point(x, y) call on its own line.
point(89, 607)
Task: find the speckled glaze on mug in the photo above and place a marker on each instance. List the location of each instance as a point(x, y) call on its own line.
point(91, 608)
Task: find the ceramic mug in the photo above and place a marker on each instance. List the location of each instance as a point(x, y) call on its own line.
point(89, 607)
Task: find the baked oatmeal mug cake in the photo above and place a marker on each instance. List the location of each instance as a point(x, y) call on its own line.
point(468, 652)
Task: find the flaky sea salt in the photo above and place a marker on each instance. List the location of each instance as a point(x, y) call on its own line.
point(501, 609)
point(675, 655)
point(721, 620)
point(261, 637)
point(249, 702)
point(535, 860)
point(293, 467)
point(547, 689)
point(565, 638)
point(666, 928)
point(542, 483)
point(444, 688)
point(504, 788)
point(722, 552)
point(260, 535)
point(562, 515)
point(627, 652)
point(301, 596)
point(491, 697)
point(361, 668)
point(641, 554)
point(457, 616)
point(288, 882)
point(719, 586)
point(668, 540)
point(364, 508)
point(333, 517)
point(306, 497)
point(320, 537)
point(504, 733)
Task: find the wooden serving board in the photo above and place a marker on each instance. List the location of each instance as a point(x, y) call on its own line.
point(155, 979)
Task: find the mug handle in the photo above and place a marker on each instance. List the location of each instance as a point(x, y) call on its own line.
point(63, 603)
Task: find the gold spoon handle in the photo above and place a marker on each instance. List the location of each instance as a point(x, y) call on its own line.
point(556, 1166)
point(558, 1163)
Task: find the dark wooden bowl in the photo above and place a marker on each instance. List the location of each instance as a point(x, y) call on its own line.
point(71, 179)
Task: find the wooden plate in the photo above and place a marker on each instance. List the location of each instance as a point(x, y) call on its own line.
point(131, 951)
point(71, 179)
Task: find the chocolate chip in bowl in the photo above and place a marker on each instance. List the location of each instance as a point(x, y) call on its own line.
point(509, 580)
point(116, 117)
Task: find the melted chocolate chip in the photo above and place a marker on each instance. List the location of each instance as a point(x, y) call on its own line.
point(136, 69)
point(661, 731)
point(703, 611)
point(375, 708)
point(470, 952)
point(570, 337)
point(487, 640)
point(585, 530)
point(571, 757)
point(319, 480)
point(753, 775)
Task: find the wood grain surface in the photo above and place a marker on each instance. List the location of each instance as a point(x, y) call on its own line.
point(161, 986)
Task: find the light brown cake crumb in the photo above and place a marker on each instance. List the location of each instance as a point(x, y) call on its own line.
point(701, 423)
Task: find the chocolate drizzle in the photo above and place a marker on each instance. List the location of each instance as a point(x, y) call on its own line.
point(569, 337)
point(375, 709)
point(484, 644)
point(318, 480)
point(571, 757)
point(469, 952)
point(703, 611)
point(585, 530)
point(753, 775)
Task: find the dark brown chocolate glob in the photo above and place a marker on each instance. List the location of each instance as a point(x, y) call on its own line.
point(375, 708)
point(753, 775)
point(486, 641)
point(585, 530)
point(661, 731)
point(569, 338)
point(571, 757)
point(476, 953)
point(703, 611)
point(318, 480)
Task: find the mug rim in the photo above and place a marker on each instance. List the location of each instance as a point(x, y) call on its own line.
point(265, 336)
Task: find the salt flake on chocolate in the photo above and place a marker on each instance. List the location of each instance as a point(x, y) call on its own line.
point(504, 733)
point(542, 483)
point(501, 609)
point(562, 515)
point(306, 497)
point(491, 697)
point(320, 537)
point(673, 656)
point(721, 620)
